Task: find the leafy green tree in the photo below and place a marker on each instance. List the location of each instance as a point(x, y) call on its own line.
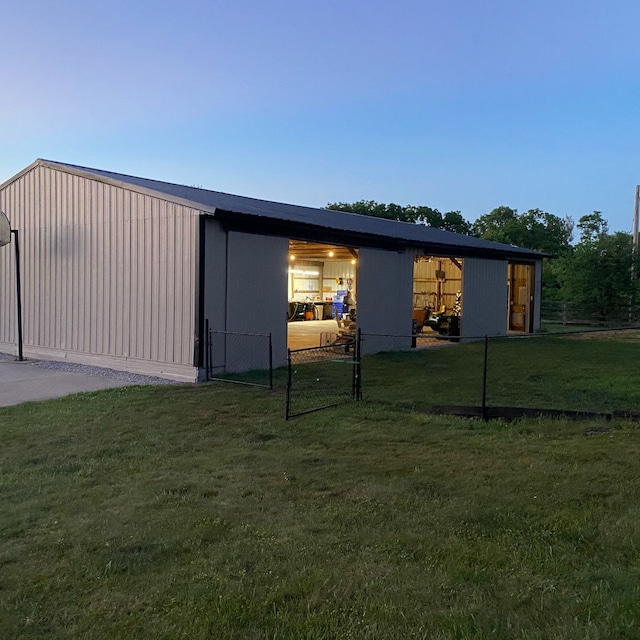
point(592, 227)
point(424, 215)
point(390, 211)
point(535, 229)
point(499, 225)
point(451, 221)
point(598, 275)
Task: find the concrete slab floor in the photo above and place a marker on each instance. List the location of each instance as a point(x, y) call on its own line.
point(301, 335)
point(304, 334)
point(25, 381)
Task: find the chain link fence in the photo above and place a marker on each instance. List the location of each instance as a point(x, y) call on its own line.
point(241, 358)
point(569, 373)
point(322, 377)
point(406, 371)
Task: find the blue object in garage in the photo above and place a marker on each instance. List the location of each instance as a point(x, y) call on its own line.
point(338, 304)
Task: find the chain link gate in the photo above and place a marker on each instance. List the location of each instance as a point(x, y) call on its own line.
point(323, 377)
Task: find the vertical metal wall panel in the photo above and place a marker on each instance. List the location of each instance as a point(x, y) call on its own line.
point(385, 298)
point(484, 297)
point(215, 289)
point(215, 275)
point(537, 295)
point(339, 269)
point(256, 293)
point(108, 274)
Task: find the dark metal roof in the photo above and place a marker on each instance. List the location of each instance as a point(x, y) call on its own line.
point(370, 230)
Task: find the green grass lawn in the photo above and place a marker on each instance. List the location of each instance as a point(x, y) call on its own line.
point(597, 371)
point(198, 512)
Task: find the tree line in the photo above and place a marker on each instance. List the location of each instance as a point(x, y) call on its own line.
point(590, 267)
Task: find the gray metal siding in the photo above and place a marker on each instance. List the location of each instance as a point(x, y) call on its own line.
point(537, 295)
point(108, 274)
point(215, 293)
point(256, 295)
point(385, 298)
point(215, 275)
point(484, 297)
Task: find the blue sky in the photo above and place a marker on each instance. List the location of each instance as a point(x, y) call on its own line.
point(456, 105)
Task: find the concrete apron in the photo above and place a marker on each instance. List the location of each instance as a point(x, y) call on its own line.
point(24, 381)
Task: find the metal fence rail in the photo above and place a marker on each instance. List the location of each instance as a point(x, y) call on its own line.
point(241, 358)
point(322, 377)
point(557, 312)
point(507, 376)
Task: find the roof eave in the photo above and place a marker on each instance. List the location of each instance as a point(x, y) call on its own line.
point(237, 221)
point(295, 228)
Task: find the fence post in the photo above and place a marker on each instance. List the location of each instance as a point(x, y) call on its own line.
point(287, 404)
point(354, 369)
point(484, 379)
point(211, 352)
point(207, 352)
point(358, 365)
point(270, 363)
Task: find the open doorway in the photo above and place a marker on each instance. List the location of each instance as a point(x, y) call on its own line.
point(322, 293)
point(437, 297)
point(520, 285)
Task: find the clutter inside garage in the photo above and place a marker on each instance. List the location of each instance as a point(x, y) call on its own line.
point(322, 290)
point(437, 295)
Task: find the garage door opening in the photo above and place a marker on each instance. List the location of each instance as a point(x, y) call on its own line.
point(437, 295)
point(322, 293)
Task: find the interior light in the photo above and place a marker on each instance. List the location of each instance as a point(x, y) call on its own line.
point(303, 272)
point(331, 254)
point(353, 261)
point(292, 257)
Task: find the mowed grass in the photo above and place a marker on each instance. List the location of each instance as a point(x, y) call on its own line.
point(597, 371)
point(198, 512)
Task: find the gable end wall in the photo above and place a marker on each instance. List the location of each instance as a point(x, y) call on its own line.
point(108, 275)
